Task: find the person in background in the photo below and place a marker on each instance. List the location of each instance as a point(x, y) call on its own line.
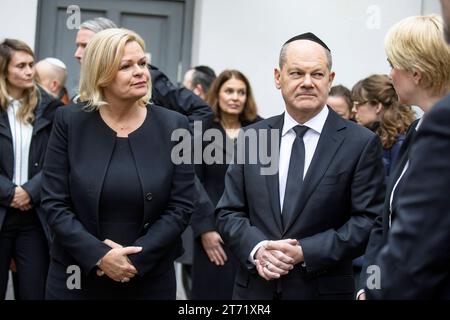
point(214, 266)
point(26, 116)
point(116, 207)
point(340, 100)
point(51, 76)
point(199, 79)
point(377, 108)
point(415, 215)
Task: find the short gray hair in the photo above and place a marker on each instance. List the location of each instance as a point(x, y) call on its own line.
point(283, 52)
point(98, 24)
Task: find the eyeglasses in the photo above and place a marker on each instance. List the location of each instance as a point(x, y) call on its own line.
point(357, 104)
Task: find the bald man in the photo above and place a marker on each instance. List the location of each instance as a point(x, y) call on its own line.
point(52, 75)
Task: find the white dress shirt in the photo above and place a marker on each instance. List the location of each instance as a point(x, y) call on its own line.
point(21, 138)
point(310, 139)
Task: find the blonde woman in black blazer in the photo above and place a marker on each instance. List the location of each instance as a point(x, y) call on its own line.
point(115, 201)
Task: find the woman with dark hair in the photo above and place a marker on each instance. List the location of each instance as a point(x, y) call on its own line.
point(377, 108)
point(26, 115)
point(214, 267)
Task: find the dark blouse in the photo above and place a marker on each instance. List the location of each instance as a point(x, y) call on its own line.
point(121, 201)
point(213, 175)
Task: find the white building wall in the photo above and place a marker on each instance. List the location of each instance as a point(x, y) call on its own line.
point(18, 20)
point(248, 34)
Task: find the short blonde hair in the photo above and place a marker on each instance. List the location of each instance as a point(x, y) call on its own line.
point(100, 65)
point(417, 43)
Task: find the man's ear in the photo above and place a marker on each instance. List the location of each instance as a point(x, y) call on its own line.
point(331, 78)
point(198, 90)
point(277, 75)
point(54, 85)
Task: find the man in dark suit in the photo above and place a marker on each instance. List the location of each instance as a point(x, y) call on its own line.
point(415, 263)
point(296, 232)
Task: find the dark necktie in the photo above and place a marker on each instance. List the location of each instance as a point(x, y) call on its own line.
point(295, 175)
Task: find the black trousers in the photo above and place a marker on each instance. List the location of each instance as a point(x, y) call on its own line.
point(23, 239)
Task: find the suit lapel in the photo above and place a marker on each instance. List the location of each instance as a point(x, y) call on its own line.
point(330, 140)
point(272, 181)
point(411, 133)
point(100, 151)
point(401, 163)
point(148, 152)
point(40, 124)
point(4, 125)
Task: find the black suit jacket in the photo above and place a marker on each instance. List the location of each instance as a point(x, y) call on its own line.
point(182, 100)
point(42, 126)
point(378, 235)
point(186, 102)
point(343, 193)
point(415, 262)
point(78, 154)
point(213, 178)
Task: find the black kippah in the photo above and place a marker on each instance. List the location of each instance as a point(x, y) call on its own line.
point(206, 70)
point(308, 36)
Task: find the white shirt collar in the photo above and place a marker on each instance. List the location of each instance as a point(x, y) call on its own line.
point(14, 103)
point(419, 123)
point(316, 123)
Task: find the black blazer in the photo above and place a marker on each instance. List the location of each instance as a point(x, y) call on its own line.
point(42, 126)
point(203, 220)
point(182, 100)
point(415, 262)
point(78, 154)
point(343, 193)
point(212, 176)
point(378, 235)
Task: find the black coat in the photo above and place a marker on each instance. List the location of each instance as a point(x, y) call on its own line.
point(208, 280)
point(415, 262)
point(186, 102)
point(182, 100)
point(342, 194)
point(42, 126)
point(78, 154)
point(379, 233)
